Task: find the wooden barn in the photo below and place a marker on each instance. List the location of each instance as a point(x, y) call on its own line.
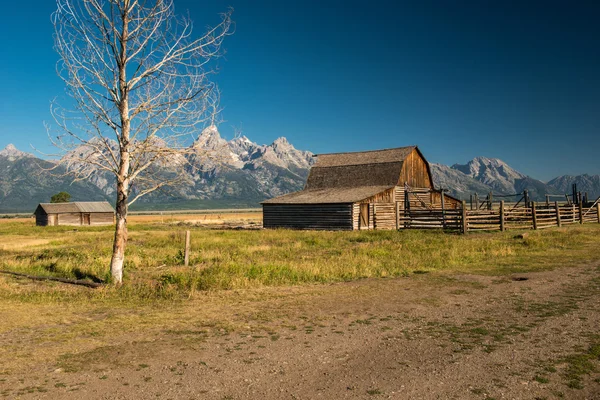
point(91, 213)
point(360, 190)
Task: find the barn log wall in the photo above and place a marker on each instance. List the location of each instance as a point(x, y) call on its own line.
point(355, 215)
point(384, 216)
point(308, 216)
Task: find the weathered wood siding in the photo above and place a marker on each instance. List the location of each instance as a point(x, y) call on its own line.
point(308, 216)
point(417, 198)
point(69, 219)
point(450, 203)
point(101, 219)
point(387, 196)
point(73, 219)
point(415, 172)
point(355, 215)
point(384, 216)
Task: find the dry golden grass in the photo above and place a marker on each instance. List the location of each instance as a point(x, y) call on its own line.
point(208, 218)
point(233, 259)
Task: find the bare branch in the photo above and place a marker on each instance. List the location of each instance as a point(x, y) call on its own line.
point(138, 85)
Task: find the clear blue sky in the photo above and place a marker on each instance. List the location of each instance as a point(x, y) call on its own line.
point(514, 80)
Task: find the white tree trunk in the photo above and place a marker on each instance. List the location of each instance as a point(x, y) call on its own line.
point(124, 61)
point(120, 241)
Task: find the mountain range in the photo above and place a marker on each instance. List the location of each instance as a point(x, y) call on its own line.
point(240, 173)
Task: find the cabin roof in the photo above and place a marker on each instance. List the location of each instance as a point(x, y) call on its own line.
point(77, 207)
point(329, 195)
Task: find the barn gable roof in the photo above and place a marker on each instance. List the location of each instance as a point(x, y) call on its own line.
point(329, 195)
point(350, 177)
point(358, 169)
point(76, 207)
point(364, 157)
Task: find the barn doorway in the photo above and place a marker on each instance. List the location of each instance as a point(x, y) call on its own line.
point(363, 221)
point(86, 219)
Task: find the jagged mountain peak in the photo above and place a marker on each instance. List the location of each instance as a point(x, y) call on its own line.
point(12, 153)
point(281, 141)
point(209, 139)
point(478, 166)
point(492, 172)
point(242, 139)
point(245, 172)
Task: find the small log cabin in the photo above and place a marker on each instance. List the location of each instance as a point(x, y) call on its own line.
point(360, 190)
point(89, 213)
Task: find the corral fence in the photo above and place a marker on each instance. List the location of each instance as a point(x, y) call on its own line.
point(498, 216)
point(534, 216)
point(503, 218)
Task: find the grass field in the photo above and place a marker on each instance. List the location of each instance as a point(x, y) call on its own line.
point(235, 259)
point(265, 300)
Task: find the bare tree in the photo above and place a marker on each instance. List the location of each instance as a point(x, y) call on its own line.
point(138, 83)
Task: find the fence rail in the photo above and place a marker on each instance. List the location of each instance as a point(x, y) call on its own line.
point(534, 216)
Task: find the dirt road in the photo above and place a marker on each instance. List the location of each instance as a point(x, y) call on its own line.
point(431, 336)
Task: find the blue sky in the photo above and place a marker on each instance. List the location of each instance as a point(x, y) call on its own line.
point(514, 80)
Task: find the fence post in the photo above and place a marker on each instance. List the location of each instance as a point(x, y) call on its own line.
point(533, 215)
point(443, 209)
point(187, 248)
point(598, 211)
point(476, 201)
point(580, 212)
point(547, 201)
point(502, 228)
point(557, 208)
point(464, 217)
point(397, 215)
point(471, 201)
point(490, 200)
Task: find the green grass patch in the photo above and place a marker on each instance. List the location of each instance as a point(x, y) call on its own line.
point(580, 364)
point(229, 259)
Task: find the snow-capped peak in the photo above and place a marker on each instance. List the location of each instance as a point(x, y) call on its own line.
point(209, 139)
point(491, 171)
point(12, 153)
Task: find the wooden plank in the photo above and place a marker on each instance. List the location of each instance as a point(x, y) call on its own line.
point(533, 215)
point(187, 249)
point(502, 227)
point(464, 217)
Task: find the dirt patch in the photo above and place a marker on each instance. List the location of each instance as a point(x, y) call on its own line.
point(431, 336)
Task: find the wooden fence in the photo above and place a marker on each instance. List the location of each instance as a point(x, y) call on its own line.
point(534, 216)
